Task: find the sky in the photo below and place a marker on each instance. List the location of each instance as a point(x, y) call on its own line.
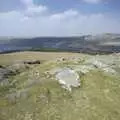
point(23, 18)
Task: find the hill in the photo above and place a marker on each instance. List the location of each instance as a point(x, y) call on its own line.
point(62, 86)
point(103, 43)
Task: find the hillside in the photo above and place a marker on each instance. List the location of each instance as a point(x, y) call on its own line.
point(62, 86)
point(103, 43)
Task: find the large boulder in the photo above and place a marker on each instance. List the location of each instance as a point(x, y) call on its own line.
point(68, 78)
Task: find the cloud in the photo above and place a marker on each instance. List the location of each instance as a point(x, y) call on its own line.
point(35, 11)
point(92, 1)
point(27, 3)
point(65, 15)
point(39, 21)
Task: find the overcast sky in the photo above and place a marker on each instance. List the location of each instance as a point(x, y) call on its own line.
point(58, 17)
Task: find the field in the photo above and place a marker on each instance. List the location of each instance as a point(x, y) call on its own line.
point(35, 94)
point(7, 59)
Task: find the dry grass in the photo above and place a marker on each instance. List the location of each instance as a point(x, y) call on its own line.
point(42, 98)
point(6, 59)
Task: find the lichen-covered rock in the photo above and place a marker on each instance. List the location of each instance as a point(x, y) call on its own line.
point(83, 68)
point(68, 78)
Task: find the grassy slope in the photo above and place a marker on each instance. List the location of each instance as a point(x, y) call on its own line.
point(43, 56)
point(98, 97)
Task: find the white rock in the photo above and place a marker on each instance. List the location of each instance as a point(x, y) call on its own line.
point(68, 78)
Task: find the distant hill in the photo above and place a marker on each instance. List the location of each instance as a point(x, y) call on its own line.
point(102, 43)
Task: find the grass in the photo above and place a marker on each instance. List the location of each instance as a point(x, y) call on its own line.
point(98, 97)
point(7, 59)
point(47, 50)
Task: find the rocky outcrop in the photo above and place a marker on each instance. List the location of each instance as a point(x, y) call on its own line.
point(67, 78)
point(16, 68)
point(4, 73)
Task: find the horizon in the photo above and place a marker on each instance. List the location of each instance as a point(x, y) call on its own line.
point(17, 37)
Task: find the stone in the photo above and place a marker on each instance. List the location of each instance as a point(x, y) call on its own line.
point(68, 78)
point(32, 62)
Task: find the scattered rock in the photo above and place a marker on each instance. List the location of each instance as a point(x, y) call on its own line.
point(100, 64)
point(18, 67)
point(61, 59)
point(4, 73)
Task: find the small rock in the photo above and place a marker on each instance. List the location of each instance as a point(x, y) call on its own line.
point(32, 62)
